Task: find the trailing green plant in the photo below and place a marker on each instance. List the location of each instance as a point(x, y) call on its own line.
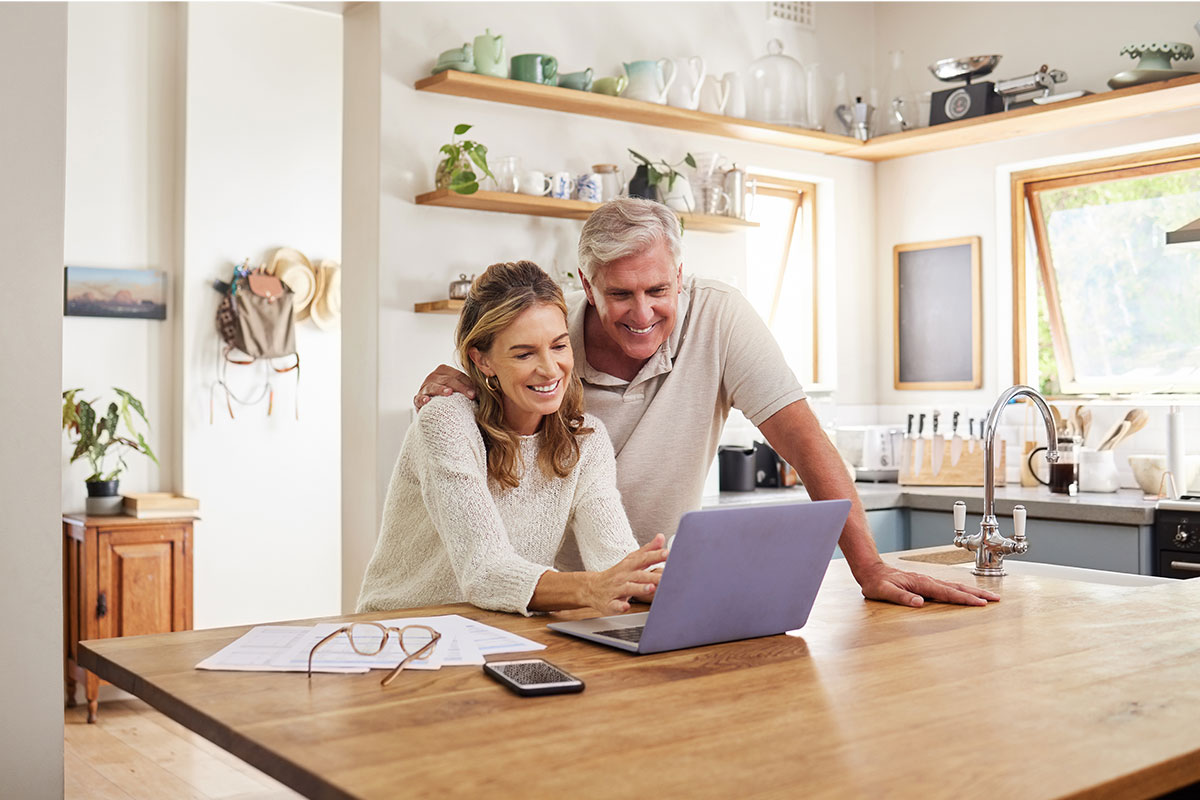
point(658, 171)
point(455, 171)
point(94, 436)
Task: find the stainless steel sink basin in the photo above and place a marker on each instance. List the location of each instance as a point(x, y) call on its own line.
point(1016, 566)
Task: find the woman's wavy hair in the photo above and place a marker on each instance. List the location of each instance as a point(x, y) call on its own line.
point(496, 299)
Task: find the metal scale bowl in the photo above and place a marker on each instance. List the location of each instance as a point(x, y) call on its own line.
point(972, 100)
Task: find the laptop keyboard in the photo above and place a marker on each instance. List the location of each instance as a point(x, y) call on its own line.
point(625, 634)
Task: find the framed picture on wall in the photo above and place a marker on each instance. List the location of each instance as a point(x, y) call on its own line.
point(100, 292)
point(938, 328)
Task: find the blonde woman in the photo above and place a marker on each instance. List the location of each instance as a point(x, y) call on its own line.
point(485, 490)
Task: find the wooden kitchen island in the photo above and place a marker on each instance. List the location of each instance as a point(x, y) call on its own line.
point(1061, 689)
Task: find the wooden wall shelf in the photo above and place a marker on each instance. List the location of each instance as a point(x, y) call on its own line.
point(1150, 98)
point(554, 98)
point(512, 203)
point(439, 307)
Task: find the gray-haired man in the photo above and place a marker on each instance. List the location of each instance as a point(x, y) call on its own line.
point(663, 358)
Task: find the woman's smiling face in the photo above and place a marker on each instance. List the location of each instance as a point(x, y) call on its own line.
point(532, 359)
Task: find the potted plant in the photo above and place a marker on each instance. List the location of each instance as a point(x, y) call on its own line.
point(650, 175)
point(456, 171)
point(99, 439)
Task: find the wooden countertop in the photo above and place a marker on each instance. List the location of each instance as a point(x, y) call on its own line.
point(1061, 689)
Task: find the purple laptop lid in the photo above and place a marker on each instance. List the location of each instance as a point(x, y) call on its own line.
point(737, 573)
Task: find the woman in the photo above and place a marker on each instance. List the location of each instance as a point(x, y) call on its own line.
point(483, 492)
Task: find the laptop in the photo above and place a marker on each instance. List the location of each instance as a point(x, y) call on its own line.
point(733, 573)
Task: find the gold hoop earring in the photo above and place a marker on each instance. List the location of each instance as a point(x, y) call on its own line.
point(488, 382)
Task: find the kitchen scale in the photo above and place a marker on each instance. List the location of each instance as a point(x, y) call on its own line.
point(964, 102)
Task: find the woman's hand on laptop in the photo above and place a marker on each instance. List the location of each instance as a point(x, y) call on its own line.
point(609, 591)
point(883, 582)
point(443, 382)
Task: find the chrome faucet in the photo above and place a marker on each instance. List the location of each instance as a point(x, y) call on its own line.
point(988, 545)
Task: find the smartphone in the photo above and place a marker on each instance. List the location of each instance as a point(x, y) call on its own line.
point(533, 676)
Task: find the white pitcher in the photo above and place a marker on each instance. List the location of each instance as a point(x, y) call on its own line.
point(714, 95)
point(735, 104)
point(649, 80)
point(685, 93)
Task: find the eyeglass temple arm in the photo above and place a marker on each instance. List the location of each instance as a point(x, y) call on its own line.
point(318, 645)
point(391, 676)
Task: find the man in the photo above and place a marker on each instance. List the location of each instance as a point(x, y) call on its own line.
point(663, 359)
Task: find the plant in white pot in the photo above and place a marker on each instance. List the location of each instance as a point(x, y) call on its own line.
point(99, 439)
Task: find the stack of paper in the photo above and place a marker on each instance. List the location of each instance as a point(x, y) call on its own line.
point(285, 648)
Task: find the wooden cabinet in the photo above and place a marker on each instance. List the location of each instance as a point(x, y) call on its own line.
point(122, 577)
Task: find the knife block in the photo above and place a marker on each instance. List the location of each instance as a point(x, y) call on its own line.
point(967, 472)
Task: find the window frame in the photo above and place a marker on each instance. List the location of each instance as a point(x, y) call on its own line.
point(805, 213)
point(1023, 185)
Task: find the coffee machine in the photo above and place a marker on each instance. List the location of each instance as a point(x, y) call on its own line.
point(970, 100)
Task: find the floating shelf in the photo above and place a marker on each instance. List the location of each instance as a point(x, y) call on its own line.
point(532, 205)
point(1150, 98)
point(439, 307)
point(555, 98)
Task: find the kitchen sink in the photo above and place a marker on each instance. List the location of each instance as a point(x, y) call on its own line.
point(1016, 566)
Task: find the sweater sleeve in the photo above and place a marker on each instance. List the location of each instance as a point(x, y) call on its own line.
point(597, 517)
point(452, 470)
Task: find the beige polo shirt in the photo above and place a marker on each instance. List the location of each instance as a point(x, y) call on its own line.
point(666, 423)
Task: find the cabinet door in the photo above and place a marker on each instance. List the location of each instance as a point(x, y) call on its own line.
point(141, 576)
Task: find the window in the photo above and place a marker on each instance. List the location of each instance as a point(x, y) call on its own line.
point(1117, 309)
point(781, 279)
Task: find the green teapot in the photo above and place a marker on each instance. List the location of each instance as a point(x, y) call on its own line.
point(489, 55)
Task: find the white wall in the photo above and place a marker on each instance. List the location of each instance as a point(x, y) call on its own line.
point(121, 212)
point(33, 75)
point(965, 191)
point(263, 169)
point(420, 249)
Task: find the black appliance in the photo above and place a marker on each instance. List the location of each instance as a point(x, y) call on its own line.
point(736, 468)
point(1177, 537)
point(972, 100)
point(766, 466)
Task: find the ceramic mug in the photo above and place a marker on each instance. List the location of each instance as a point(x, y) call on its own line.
point(562, 185)
point(577, 80)
point(610, 86)
point(589, 187)
point(535, 68)
point(534, 182)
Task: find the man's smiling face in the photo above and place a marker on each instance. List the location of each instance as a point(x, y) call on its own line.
point(635, 298)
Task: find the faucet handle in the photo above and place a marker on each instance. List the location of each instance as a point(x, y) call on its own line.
point(1019, 523)
point(960, 517)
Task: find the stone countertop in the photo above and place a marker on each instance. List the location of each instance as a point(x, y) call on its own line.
point(1125, 507)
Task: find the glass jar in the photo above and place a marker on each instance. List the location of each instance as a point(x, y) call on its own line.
point(900, 109)
point(775, 88)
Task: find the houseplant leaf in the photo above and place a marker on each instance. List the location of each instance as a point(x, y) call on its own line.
point(460, 129)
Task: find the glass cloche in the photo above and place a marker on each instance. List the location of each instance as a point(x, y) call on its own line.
point(775, 88)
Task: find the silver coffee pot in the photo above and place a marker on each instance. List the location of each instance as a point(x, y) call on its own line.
point(733, 184)
point(857, 118)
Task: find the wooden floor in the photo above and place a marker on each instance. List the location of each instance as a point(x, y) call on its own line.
point(134, 752)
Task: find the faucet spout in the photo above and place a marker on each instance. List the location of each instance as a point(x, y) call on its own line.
point(989, 546)
point(989, 437)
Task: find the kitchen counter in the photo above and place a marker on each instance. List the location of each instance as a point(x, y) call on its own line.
point(1125, 507)
point(1061, 689)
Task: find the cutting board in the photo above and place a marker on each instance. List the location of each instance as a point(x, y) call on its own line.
point(967, 472)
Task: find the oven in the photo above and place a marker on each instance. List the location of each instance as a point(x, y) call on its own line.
point(1177, 537)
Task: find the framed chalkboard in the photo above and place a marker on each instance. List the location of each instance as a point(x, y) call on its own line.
point(938, 332)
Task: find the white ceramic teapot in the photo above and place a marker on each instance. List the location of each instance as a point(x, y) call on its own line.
point(649, 80)
point(685, 91)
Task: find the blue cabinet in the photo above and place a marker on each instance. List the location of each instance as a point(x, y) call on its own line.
point(890, 528)
point(1118, 548)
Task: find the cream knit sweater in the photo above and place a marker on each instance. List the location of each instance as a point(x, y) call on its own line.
point(450, 535)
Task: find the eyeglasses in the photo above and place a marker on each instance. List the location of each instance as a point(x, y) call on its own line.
point(369, 639)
